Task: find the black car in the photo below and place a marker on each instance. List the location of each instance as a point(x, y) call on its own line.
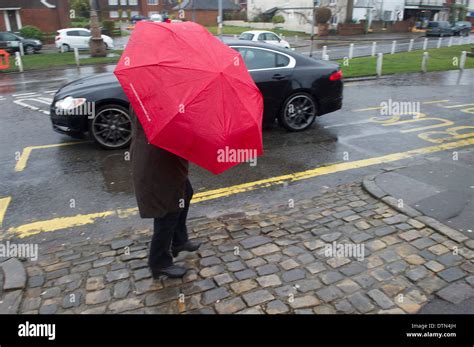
point(11, 43)
point(138, 18)
point(461, 28)
point(295, 90)
point(439, 28)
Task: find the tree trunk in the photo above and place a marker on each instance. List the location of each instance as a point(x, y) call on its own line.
point(349, 10)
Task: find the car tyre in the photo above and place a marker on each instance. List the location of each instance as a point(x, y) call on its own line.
point(66, 47)
point(29, 49)
point(298, 112)
point(111, 127)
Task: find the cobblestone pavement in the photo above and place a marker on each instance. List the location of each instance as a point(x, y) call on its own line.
point(262, 260)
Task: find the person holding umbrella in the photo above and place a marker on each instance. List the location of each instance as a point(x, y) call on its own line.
point(192, 99)
point(163, 192)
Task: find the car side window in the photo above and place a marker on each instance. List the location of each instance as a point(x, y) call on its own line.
point(262, 59)
point(272, 37)
point(262, 37)
point(84, 33)
point(73, 33)
point(9, 37)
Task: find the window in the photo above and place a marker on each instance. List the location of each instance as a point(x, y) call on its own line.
point(84, 33)
point(271, 37)
point(73, 33)
point(152, 2)
point(262, 59)
point(133, 2)
point(134, 13)
point(113, 2)
point(113, 14)
point(246, 36)
point(123, 2)
point(9, 37)
point(332, 2)
point(334, 19)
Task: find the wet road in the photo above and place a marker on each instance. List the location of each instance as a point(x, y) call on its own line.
point(79, 179)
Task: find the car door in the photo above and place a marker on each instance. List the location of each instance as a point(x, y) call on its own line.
point(272, 39)
point(3, 42)
point(73, 39)
point(11, 42)
point(85, 36)
point(271, 71)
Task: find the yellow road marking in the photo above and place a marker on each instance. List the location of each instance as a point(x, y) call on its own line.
point(25, 155)
point(434, 102)
point(368, 109)
point(4, 202)
point(380, 107)
point(460, 105)
point(79, 220)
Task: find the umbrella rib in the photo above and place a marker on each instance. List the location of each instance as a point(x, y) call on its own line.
point(232, 86)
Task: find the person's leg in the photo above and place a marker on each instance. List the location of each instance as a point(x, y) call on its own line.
point(180, 236)
point(164, 227)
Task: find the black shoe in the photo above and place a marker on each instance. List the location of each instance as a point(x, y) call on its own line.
point(172, 271)
point(189, 246)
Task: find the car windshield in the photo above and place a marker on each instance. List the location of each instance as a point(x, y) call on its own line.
point(433, 25)
point(246, 36)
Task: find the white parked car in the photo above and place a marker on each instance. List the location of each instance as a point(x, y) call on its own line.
point(264, 36)
point(156, 17)
point(79, 38)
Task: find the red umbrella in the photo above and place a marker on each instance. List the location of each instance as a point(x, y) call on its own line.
point(192, 94)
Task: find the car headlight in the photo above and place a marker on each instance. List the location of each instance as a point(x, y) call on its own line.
point(38, 42)
point(69, 103)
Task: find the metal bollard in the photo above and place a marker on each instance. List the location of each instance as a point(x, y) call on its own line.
point(374, 48)
point(410, 45)
point(379, 64)
point(440, 40)
point(325, 51)
point(450, 42)
point(424, 62)
point(351, 50)
point(425, 44)
point(296, 38)
point(462, 61)
point(76, 57)
point(22, 49)
point(18, 61)
point(394, 46)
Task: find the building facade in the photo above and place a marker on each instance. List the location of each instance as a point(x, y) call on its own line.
point(47, 15)
point(112, 9)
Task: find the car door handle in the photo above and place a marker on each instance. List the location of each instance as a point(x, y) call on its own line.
point(278, 77)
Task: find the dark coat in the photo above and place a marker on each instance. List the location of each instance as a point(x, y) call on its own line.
point(159, 177)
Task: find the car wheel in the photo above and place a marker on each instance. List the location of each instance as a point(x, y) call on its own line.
point(298, 113)
point(29, 50)
point(66, 47)
point(111, 127)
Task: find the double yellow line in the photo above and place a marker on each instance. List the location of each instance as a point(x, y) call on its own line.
point(85, 219)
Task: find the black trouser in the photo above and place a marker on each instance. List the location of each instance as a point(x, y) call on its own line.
point(169, 231)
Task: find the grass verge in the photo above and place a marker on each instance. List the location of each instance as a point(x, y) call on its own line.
point(441, 59)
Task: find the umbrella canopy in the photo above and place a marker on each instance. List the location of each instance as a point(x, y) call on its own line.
point(192, 94)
